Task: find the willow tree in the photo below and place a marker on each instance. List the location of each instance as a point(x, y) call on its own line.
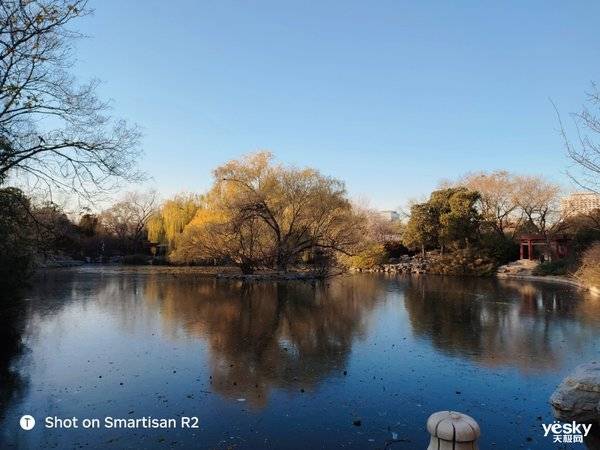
point(215, 234)
point(54, 130)
point(168, 222)
point(275, 213)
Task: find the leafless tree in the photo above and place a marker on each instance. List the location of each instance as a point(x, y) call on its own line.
point(584, 150)
point(538, 201)
point(498, 201)
point(126, 220)
point(53, 130)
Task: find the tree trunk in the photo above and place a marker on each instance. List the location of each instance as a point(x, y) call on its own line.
point(282, 262)
point(247, 268)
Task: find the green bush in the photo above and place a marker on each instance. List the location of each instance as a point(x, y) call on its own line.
point(560, 267)
point(501, 249)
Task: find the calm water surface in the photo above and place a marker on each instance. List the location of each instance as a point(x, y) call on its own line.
point(288, 365)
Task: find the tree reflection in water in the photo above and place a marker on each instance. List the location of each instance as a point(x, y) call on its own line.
point(269, 335)
point(108, 340)
point(500, 322)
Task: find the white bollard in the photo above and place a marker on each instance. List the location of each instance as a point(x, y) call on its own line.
point(452, 430)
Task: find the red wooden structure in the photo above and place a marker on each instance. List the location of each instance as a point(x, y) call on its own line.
point(536, 246)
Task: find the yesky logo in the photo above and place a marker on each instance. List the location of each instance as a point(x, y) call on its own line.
point(566, 432)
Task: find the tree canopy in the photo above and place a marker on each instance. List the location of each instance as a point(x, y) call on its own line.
point(259, 213)
point(449, 217)
point(126, 220)
point(169, 221)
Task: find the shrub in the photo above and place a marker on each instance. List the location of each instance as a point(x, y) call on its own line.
point(584, 238)
point(589, 271)
point(395, 249)
point(501, 249)
point(560, 267)
point(372, 256)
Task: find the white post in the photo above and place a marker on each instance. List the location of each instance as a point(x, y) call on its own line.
point(452, 430)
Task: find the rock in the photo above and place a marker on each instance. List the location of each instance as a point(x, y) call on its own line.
point(578, 396)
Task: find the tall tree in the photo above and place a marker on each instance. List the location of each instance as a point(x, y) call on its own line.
point(53, 130)
point(127, 219)
point(497, 198)
point(459, 222)
point(449, 217)
point(422, 228)
point(169, 221)
point(538, 201)
point(279, 211)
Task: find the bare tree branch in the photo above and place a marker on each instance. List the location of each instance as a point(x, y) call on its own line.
point(584, 151)
point(53, 129)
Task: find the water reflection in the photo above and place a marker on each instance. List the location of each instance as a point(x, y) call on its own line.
point(268, 335)
point(501, 323)
point(111, 341)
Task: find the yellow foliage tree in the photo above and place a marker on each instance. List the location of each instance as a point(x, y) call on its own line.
point(215, 234)
point(263, 214)
point(169, 221)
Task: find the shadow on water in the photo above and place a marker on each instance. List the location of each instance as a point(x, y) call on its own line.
point(16, 312)
point(12, 327)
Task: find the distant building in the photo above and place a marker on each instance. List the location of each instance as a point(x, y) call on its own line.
point(580, 203)
point(389, 215)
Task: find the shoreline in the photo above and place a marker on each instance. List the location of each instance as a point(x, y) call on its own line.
point(552, 279)
point(208, 272)
point(230, 273)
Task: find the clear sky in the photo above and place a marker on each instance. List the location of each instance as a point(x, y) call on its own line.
point(390, 96)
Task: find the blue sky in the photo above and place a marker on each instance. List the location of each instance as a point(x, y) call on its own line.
point(389, 96)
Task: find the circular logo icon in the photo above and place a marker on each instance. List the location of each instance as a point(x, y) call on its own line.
point(27, 422)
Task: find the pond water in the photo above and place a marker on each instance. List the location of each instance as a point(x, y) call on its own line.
point(287, 365)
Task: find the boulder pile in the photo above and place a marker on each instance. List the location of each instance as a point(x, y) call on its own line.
point(405, 264)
